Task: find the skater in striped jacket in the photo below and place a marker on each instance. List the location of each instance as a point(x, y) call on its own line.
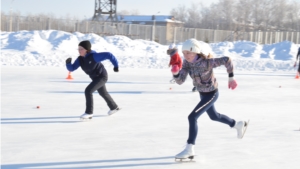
point(199, 65)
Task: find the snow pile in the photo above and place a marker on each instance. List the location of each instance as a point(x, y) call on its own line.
point(51, 48)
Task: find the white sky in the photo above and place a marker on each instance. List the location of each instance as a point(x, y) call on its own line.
point(81, 8)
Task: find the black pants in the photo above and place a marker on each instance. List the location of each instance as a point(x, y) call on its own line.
point(99, 85)
point(299, 67)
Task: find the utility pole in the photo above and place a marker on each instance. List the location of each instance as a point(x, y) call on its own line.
point(105, 10)
point(10, 15)
point(154, 25)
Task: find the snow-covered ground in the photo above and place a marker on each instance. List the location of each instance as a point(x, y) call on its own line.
point(152, 126)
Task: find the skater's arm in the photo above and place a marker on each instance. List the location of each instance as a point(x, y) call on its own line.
point(226, 61)
point(98, 57)
point(72, 67)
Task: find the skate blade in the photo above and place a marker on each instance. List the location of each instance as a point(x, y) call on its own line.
point(185, 160)
point(246, 126)
point(86, 119)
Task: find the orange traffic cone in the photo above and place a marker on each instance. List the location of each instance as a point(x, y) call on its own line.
point(297, 76)
point(69, 76)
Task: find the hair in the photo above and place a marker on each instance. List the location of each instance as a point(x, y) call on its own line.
point(201, 55)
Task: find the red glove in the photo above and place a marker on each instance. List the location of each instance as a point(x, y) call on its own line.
point(175, 69)
point(232, 83)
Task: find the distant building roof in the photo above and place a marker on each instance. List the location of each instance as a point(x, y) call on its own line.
point(147, 18)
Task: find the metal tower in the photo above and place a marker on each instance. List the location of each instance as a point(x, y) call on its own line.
point(105, 10)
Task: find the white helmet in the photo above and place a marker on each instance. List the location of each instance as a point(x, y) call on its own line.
point(191, 45)
point(205, 48)
point(172, 46)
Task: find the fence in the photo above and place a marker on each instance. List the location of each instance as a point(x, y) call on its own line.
point(160, 34)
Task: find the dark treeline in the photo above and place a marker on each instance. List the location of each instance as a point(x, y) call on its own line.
point(242, 15)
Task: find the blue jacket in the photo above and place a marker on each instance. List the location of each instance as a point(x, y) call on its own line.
point(91, 64)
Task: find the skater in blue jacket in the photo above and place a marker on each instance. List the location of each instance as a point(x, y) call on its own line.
point(297, 56)
point(90, 63)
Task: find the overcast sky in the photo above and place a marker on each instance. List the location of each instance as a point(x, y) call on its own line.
point(82, 8)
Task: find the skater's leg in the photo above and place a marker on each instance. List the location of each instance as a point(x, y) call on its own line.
point(106, 96)
point(214, 115)
point(206, 102)
point(89, 90)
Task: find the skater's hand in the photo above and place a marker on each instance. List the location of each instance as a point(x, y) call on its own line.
point(175, 70)
point(69, 60)
point(116, 69)
point(295, 64)
point(232, 83)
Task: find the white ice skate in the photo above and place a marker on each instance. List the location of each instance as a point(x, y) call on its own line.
point(241, 128)
point(187, 153)
point(172, 81)
point(110, 112)
point(86, 117)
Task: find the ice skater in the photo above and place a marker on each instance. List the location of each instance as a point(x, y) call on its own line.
point(90, 63)
point(200, 67)
point(175, 59)
point(297, 56)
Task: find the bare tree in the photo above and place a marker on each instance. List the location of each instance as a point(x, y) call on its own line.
point(194, 13)
point(279, 15)
point(180, 13)
point(243, 12)
point(293, 16)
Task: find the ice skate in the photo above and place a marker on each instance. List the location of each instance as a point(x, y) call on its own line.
point(241, 128)
point(194, 89)
point(86, 117)
point(187, 153)
point(172, 81)
point(110, 112)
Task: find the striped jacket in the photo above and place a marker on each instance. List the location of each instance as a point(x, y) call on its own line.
point(202, 74)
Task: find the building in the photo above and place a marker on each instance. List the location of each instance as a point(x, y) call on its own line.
point(166, 21)
point(158, 20)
